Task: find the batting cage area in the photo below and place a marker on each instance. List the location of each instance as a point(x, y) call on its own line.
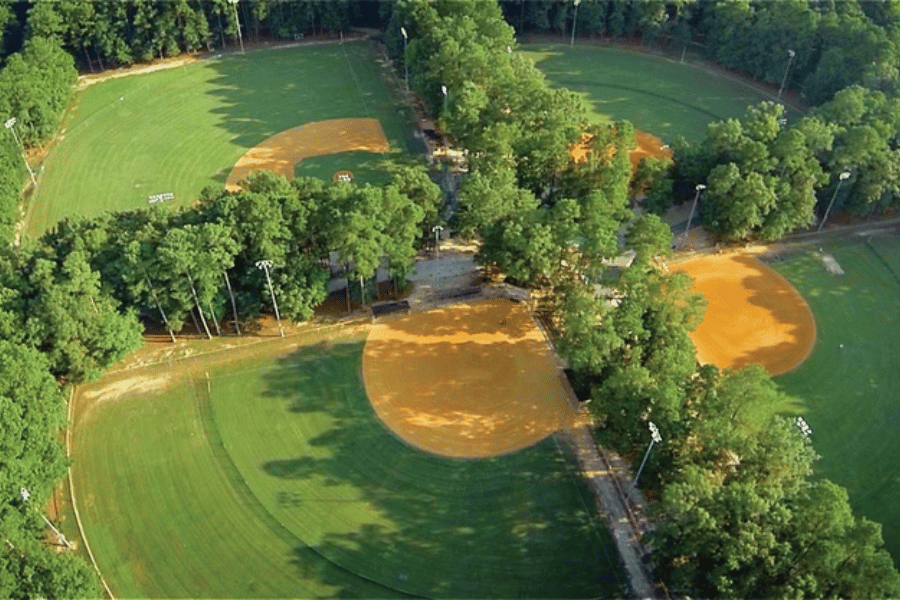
point(268, 473)
point(753, 315)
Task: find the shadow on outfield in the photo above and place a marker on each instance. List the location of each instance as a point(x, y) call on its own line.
point(513, 526)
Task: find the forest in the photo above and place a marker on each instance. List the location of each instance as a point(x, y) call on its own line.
point(739, 513)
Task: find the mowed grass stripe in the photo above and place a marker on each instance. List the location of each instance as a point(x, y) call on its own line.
point(660, 96)
point(307, 442)
point(164, 521)
point(181, 129)
point(853, 402)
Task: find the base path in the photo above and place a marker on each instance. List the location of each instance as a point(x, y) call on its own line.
point(466, 381)
point(283, 150)
point(754, 315)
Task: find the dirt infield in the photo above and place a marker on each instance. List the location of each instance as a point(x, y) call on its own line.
point(283, 150)
point(754, 316)
point(467, 381)
point(645, 145)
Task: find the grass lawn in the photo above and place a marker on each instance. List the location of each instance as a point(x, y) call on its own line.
point(274, 478)
point(365, 166)
point(658, 95)
point(853, 402)
point(181, 129)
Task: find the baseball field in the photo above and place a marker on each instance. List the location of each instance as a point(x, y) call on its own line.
point(825, 321)
point(659, 95)
point(267, 472)
point(174, 131)
point(852, 402)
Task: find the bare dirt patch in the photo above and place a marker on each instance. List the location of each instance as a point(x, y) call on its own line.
point(645, 145)
point(754, 316)
point(283, 150)
point(466, 381)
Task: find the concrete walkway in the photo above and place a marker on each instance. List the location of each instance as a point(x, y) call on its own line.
point(610, 481)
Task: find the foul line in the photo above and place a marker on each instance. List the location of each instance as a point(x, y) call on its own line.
point(84, 539)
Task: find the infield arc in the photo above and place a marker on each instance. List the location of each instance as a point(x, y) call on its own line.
point(754, 315)
point(467, 381)
point(281, 152)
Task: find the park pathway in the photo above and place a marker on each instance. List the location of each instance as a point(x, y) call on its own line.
point(608, 476)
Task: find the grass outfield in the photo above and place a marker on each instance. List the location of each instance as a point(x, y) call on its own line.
point(275, 479)
point(181, 129)
point(852, 399)
point(658, 95)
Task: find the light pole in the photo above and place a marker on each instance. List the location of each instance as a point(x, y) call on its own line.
point(791, 53)
point(841, 178)
point(265, 265)
point(574, 20)
point(803, 426)
point(699, 187)
point(655, 438)
point(237, 21)
point(437, 229)
point(405, 63)
point(23, 493)
point(10, 122)
point(444, 91)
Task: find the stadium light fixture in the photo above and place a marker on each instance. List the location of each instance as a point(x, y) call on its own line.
point(405, 62)
point(25, 495)
point(574, 20)
point(791, 55)
point(265, 265)
point(655, 438)
point(10, 124)
point(841, 178)
point(237, 21)
point(699, 187)
point(437, 229)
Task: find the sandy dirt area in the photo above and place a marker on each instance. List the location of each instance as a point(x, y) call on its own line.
point(466, 381)
point(754, 316)
point(646, 145)
point(283, 150)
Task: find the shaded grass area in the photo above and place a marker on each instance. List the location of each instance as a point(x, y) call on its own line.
point(658, 95)
point(273, 478)
point(181, 129)
point(320, 461)
point(853, 402)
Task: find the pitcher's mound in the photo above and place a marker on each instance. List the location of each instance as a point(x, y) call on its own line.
point(467, 381)
point(754, 316)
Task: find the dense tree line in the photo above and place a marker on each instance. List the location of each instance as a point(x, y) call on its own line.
point(766, 178)
point(35, 89)
point(102, 34)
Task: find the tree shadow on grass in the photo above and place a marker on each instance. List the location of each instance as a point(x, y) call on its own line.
point(513, 526)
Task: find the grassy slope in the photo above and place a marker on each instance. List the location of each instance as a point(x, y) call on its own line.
point(853, 402)
point(182, 129)
point(658, 95)
point(281, 482)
